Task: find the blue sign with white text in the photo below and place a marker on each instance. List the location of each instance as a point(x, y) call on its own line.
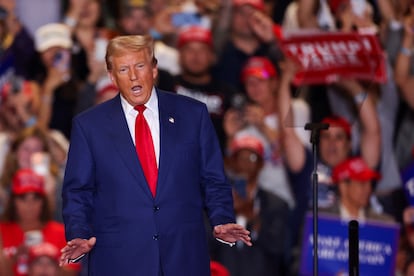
point(378, 244)
point(407, 176)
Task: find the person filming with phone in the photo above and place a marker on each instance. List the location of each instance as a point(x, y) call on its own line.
point(59, 75)
point(142, 168)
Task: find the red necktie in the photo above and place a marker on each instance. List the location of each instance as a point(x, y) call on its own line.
point(145, 149)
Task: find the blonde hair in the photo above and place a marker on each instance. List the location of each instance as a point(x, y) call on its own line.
point(121, 45)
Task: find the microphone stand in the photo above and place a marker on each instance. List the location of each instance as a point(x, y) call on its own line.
point(315, 128)
point(353, 248)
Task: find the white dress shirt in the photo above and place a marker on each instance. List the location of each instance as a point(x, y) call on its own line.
point(151, 114)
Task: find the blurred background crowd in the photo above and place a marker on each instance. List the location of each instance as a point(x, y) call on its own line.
point(225, 53)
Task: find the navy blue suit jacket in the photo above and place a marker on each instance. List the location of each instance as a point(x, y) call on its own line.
point(105, 193)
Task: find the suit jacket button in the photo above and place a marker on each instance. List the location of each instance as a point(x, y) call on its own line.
point(156, 208)
point(155, 237)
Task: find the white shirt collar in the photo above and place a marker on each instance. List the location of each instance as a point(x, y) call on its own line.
point(345, 215)
point(152, 104)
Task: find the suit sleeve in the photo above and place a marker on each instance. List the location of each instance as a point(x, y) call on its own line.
point(78, 186)
point(217, 192)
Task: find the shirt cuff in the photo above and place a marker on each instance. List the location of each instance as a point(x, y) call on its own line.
point(231, 244)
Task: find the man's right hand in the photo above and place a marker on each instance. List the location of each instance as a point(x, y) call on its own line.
point(76, 248)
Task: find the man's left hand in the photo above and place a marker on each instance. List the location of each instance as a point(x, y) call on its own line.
point(231, 233)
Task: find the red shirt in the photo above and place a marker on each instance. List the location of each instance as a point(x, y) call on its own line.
point(13, 237)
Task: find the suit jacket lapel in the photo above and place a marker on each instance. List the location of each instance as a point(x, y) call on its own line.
point(168, 129)
point(122, 140)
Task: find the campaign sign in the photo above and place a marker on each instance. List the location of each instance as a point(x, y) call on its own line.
point(408, 179)
point(324, 57)
point(378, 243)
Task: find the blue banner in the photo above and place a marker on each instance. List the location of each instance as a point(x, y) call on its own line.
point(378, 244)
point(408, 179)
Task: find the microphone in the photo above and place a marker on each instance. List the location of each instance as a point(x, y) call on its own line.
point(353, 248)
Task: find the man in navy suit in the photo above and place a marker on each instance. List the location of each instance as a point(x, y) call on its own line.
point(108, 208)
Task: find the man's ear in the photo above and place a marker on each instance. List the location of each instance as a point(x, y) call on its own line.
point(111, 77)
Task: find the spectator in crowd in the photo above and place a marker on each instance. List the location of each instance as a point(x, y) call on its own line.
point(271, 114)
point(87, 24)
point(196, 56)
point(59, 77)
point(375, 107)
point(337, 143)
point(266, 113)
point(27, 222)
point(250, 34)
point(315, 15)
point(28, 143)
point(264, 214)
point(330, 15)
point(404, 78)
point(408, 269)
point(20, 104)
point(17, 50)
point(354, 179)
point(58, 146)
point(406, 243)
point(44, 260)
point(90, 36)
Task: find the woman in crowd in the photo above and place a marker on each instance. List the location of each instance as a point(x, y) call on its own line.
point(27, 222)
point(30, 149)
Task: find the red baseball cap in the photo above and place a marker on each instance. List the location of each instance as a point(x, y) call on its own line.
point(194, 34)
point(260, 67)
point(257, 4)
point(334, 5)
point(338, 121)
point(44, 249)
point(247, 142)
point(354, 169)
point(27, 181)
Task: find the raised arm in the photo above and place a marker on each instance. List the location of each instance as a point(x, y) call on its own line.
point(364, 99)
point(403, 78)
point(292, 147)
point(307, 14)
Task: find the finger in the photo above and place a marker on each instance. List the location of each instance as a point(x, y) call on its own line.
point(63, 261)
point(247, 242)
point(92, 241)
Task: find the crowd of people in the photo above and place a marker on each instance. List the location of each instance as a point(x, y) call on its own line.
point(228, 55)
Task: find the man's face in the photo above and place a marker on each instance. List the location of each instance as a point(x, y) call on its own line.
point(241, 20)
point(196, 58)
point(334, 146)
point(260, 90)
point(134, 74)
point(138, 22)
point(356, 193)
point(247, 163)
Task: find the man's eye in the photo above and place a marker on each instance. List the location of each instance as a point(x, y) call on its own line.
point(139, 66)
point(123, 70)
